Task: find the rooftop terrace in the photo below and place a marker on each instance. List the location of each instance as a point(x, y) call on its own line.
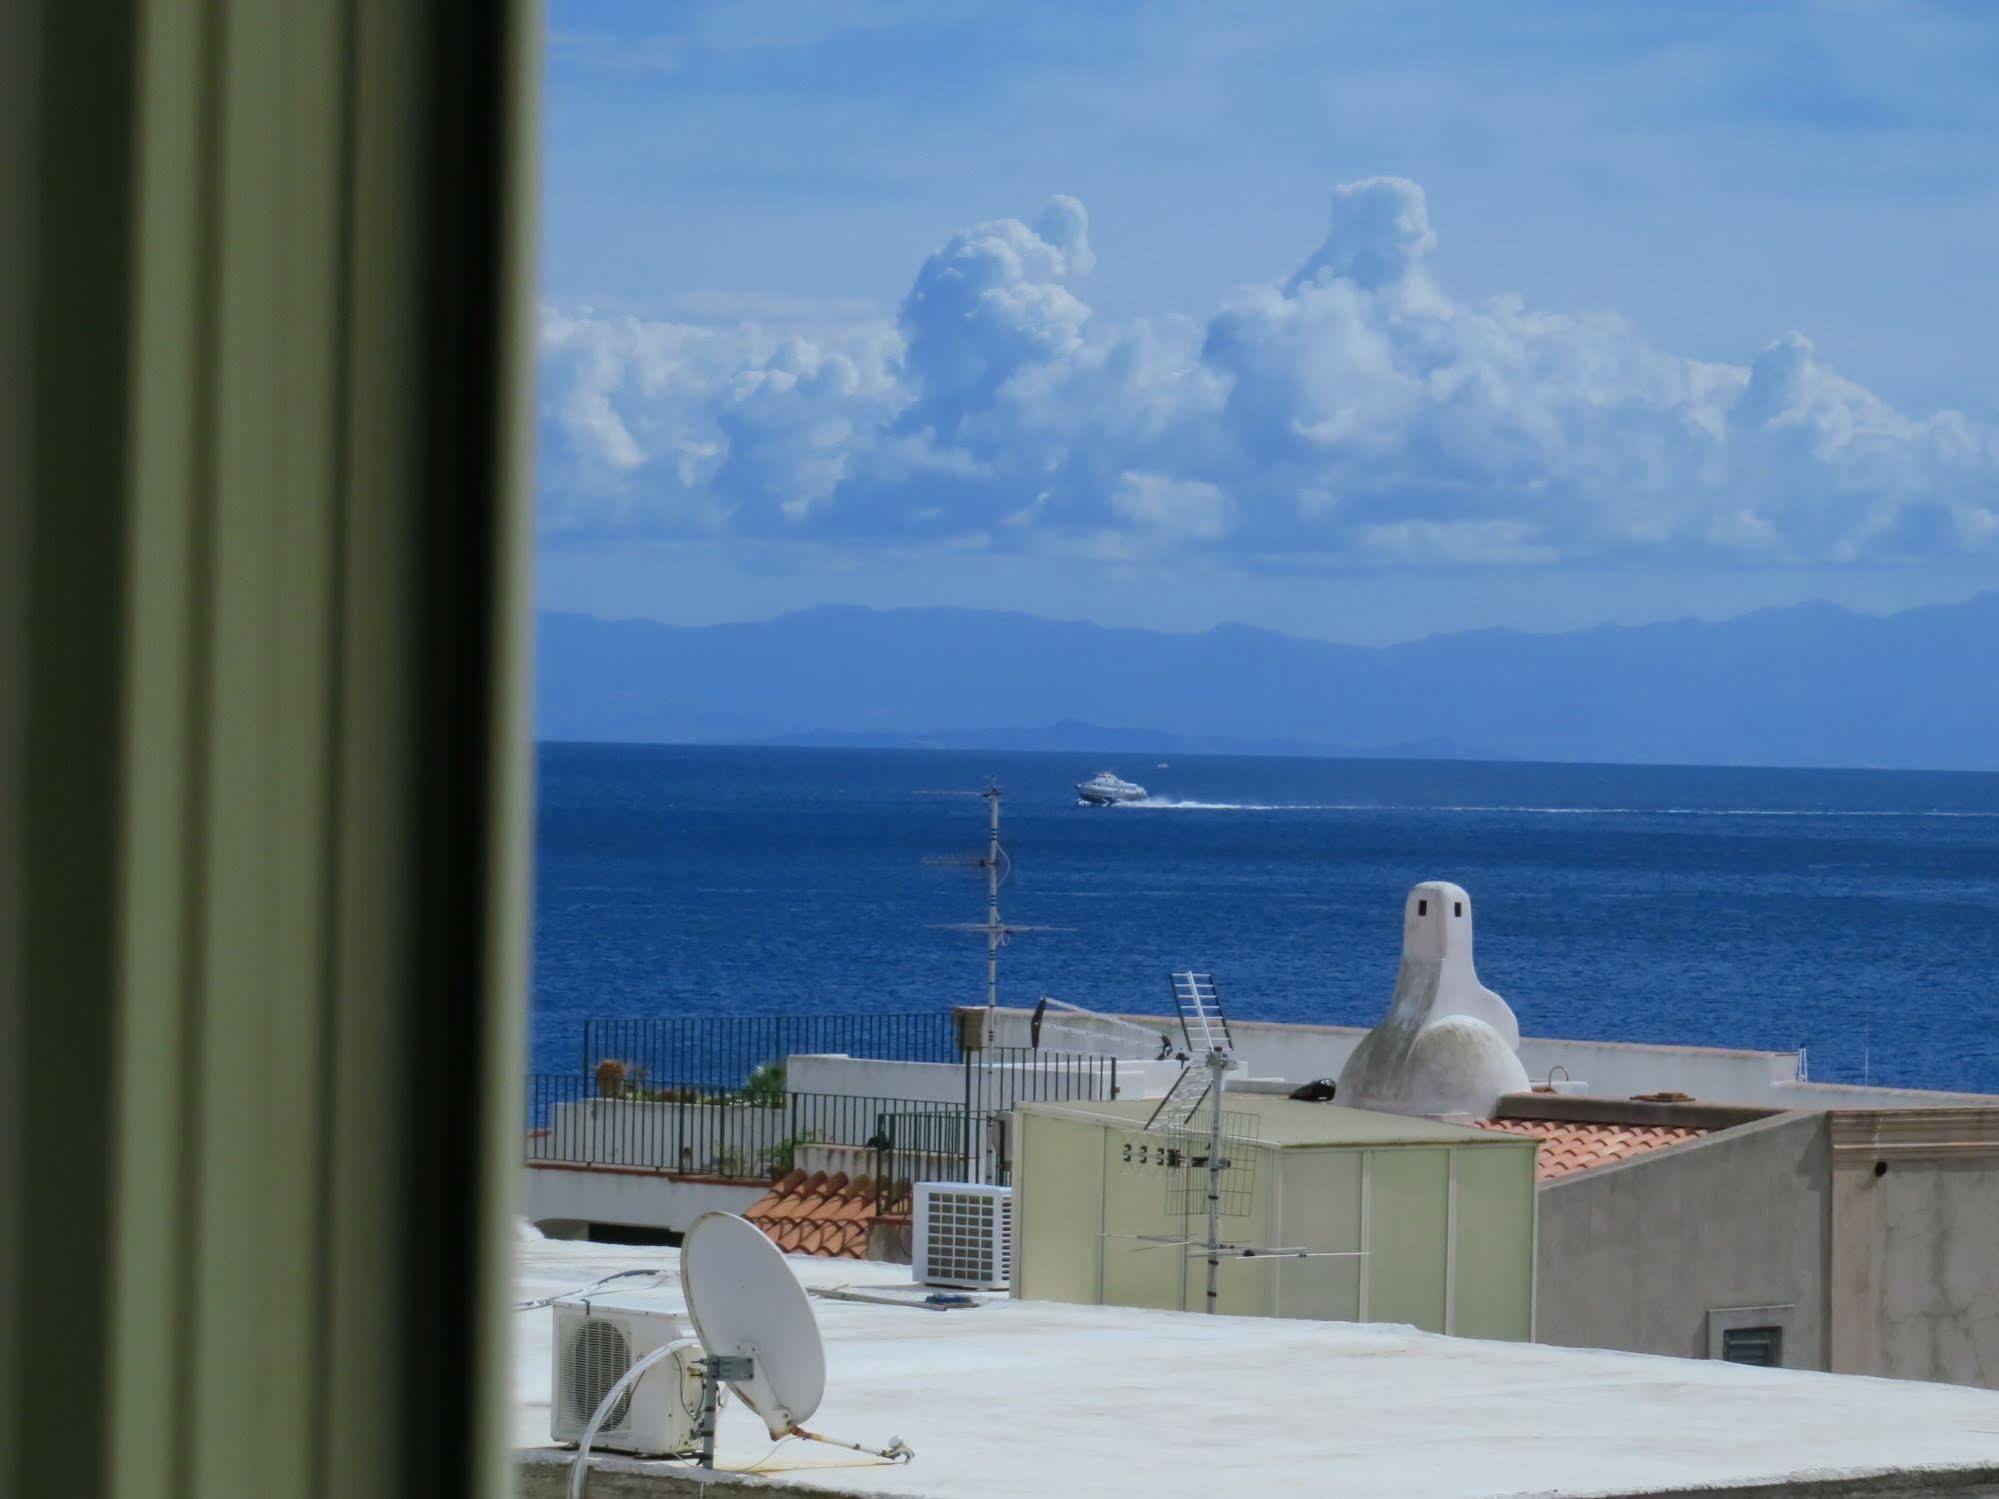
point(1031, 1398)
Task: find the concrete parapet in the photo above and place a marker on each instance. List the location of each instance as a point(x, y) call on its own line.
point(543, 1473)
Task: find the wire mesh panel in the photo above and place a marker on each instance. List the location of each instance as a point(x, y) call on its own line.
point(1186, 1182)
point(1178, 1159)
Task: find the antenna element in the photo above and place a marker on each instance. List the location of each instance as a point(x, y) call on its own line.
point(997, 932)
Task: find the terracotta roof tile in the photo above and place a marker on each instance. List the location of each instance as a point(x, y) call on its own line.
point(1569, 1146)
point(821, 1214)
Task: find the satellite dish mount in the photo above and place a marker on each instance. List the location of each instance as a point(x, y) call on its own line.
point(758, 1334)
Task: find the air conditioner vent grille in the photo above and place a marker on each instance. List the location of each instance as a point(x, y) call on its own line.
point(597, 1356)
point(964, 1235)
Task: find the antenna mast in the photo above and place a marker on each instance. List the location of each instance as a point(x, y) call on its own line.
point(994, 928)
point(1210, 1045)
point(1206, 1062)
point(1206, 1059)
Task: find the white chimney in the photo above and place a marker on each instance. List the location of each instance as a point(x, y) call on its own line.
point(1448, 1045)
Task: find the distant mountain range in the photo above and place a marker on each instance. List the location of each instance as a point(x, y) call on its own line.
point(1812, 685)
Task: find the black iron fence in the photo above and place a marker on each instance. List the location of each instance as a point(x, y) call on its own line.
point(957, 1145)
point(999, 1077)
point(700, 1097)
point(571, 1122)
point(727, 1052)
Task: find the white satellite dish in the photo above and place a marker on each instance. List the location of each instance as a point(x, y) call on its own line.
point(746, 1303)
point(757, 1334)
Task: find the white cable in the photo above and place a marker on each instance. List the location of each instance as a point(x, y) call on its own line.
point(768, 1455)
point(658, 1277)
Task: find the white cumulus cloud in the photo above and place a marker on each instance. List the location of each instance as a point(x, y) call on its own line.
point(1189, 509)
point(1353, 413)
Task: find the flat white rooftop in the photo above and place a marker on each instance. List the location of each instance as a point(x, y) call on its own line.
point(1041, 1399)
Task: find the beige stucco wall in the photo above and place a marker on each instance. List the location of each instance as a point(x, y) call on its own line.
point(1494, 1215)
point(1058, 1217)
point(1871, 1237)
point(1915, 1245)
point(1079, 1205)
point(1635, 1256)
point(1449, 1229)
point(1322, 1200)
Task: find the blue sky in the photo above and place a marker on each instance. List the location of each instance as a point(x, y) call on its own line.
point(1361, 321)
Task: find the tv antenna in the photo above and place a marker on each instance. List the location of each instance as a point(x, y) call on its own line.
point(1091, 1032)
point(1211, 1048)
point(998, 868)
point(1207, 1056)
point(757, 1335)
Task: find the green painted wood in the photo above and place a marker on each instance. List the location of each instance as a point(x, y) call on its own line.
point(272, 950)
point(78, 266)
point(164, 790)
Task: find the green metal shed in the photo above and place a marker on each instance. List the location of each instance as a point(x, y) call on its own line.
point(1443, 1215)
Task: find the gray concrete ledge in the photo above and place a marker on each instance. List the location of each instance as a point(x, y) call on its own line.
point(1979, 1481)
point(543, 1473)
point(1584, 1109)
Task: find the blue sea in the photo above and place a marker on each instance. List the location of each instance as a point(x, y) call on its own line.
point(1852, 912)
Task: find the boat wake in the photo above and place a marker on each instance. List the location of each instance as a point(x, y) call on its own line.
point(1174, 804)
point(1170, 804)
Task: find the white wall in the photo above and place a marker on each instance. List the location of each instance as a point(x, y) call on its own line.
point(1612, 1069)
point(944, 1082)
point(1295, 1053)
point(1854, 1096)
point(623, 1198)
point(860, 1077)
point(857, 1161)
point(1621, 1069)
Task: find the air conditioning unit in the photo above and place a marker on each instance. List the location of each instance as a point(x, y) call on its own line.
point(963, 1236)
point(595, 1343)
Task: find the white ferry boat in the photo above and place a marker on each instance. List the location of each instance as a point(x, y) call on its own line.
point(1104, 789)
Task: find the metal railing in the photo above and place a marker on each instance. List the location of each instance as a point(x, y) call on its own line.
point(682, 1101)
point(686, 1132)
point(958, 1146)
point(724, 1051)
point(999, 1077)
